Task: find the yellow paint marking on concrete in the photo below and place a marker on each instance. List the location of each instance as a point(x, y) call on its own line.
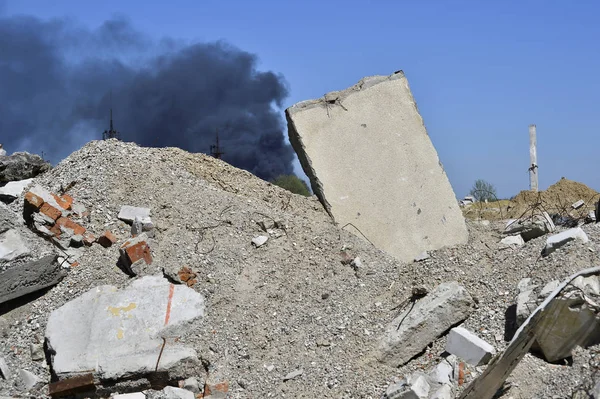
point(116, 310)
point(120, 333)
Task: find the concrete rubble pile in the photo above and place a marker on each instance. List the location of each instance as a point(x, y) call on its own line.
point(130, 272)
point(21, 166)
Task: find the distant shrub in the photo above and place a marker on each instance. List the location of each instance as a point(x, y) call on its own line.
point(292, 183)
point(482, 191)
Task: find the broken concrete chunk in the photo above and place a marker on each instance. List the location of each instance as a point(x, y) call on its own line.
point(259, 241)
point(29, 380)
point(13, 190)
point(129, 213)
point(548, 288)
point(469, 347)
point(217, 390)
point(578, 204)
point(21, 166)
point(442, 373)
point(134, 395)
point(589, 285)
point(531, 227)
point(4, 370)
point(512, 241)
point(37, 352)
point(403, 209)
point(292, 375)
point(558, 240)
point(30, 277)
point(12, 246)
point(192, 384)
point(419, 325)
point(414, 387)
point(177, 393)
point(46, 195)
point(444, 392)
point(118, 333)
point(136, 227)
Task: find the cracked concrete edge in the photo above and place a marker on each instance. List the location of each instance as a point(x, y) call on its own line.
point(299, 148)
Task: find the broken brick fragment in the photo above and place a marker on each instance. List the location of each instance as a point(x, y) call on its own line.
point(50, 211)
point(33, 201)
point(88, 239)
point(137, 251)
point(107, 239)
point(222, 387)
point(187, 276)
point(65, 201)
point(68, 223)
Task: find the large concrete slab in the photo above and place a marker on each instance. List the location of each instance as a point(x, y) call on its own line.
point(371, 163)
point(119, 333)
point(30, 277)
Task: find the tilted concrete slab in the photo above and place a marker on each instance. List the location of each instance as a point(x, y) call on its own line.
point(371, 163)
point(119, 333)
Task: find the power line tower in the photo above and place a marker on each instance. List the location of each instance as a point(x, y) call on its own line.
point(111, 133)
point(215, 150)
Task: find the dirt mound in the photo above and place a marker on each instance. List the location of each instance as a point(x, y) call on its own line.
point(558, 198)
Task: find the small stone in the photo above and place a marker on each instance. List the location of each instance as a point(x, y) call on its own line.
point(325, 295)
point(259, 241)
point(422, 256)
point(192, 384)
point(28, 379)
point(292, 375)
point(107, 239)
point(4, 370)
point(37, 352)
point(177, 393)
point(270, 367)
point(466, 345)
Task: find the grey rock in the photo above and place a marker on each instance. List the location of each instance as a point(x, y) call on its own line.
point(4, 370)
point(512, 241)
point(531, 227)
point(13, 190)
point(30, 277)
point(444, 392)
point(21, 166)
point(396, 184)
point(293, 374)
point(419, 325)
point(192, 384)
point(137, 226)
point(4, 327)
point(29, 380)
point(259, 241)
point(12, 246)
point(414, 387)
point(441, 373)
point(37, 352)
point(116, 333)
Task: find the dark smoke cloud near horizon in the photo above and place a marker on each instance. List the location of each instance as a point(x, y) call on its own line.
point(58, 81)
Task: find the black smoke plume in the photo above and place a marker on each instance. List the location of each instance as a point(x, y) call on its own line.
point(59, 80)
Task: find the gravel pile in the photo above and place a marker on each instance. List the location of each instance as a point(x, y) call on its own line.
point(292, 304)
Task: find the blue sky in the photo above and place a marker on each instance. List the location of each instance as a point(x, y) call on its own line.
point(481, 71)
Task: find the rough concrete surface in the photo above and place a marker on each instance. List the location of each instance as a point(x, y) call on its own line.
point(419, 325)
point(117, 333)
point(29, 277)
point(371, 163)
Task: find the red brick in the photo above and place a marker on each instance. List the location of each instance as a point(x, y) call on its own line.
point(33, 200)
point(55, 229)
point(220, 387)
point(107, 239)
point(187, 276)
point(88, 239)
point(65, 201)
point(68, 223)
point(50, 211)
point(138, 251)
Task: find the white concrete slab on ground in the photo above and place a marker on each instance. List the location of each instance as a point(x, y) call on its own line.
point(469, 347)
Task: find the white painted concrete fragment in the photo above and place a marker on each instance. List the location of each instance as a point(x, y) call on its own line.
point(259, 241)
point(578, 204)
point(558, 240)
point(177, 393)
point(469, 347)
point(14, 189)
point(119, 332)
point(442, 373)
point(129, 213)
point(12, 246)
point(513, 241)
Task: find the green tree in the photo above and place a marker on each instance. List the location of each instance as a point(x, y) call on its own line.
point(292, 183)
point(483, 190)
